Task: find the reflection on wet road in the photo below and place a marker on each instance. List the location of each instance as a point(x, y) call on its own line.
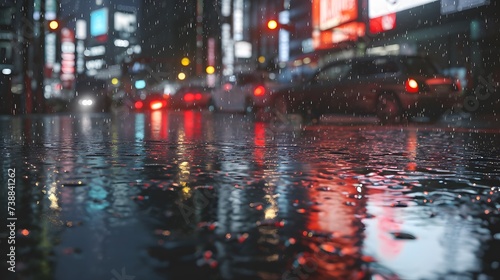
point(191, 195)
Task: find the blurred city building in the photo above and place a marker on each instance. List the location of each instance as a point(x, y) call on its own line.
point(201, 41)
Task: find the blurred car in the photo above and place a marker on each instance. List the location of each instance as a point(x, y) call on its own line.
point(191, 97)
point(150, 102)
point(91, 95)
point(391, 87)
point(243, 92)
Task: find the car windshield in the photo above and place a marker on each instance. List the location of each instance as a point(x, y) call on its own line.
point(419, 66)
point(248, 79)
point(90, 85)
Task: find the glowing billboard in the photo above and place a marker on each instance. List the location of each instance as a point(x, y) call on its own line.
point(382, 13)
point(378, 8)
point(335, 21)
point(332, 13)
point(99, 22)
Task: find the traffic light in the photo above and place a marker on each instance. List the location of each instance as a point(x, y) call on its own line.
point(185, 61)
point(53, 25)
point(210, 69)
point(272, 24)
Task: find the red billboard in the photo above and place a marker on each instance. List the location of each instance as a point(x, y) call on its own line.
point(335, 21)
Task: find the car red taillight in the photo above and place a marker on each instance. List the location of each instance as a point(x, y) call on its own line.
point(189, 97)
point(259, 91)
point(458, 85)
point(228, 86)
point(411, 86)
point(157, 104)
point(138, 105)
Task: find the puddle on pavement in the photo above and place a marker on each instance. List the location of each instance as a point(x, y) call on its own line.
point(190, 195)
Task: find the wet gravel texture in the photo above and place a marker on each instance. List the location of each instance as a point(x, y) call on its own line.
point(192, 195)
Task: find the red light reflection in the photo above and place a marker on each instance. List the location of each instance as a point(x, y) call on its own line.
point(334, 227)
point(159, 125)
point(192, 124)
point(259, 142)
point(411, 148)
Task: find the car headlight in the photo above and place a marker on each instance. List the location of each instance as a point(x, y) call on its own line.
point(86, 102)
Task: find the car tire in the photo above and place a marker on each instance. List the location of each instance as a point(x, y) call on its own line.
point(282, 115)
point(389, 109)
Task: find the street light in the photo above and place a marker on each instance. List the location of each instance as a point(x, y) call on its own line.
point(181, 76)
point(185, 61)
point(210, 70)
point(53, 25)
point(272, 24)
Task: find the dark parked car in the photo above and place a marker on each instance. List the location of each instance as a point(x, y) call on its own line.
point(91, 95)
point(391, 87)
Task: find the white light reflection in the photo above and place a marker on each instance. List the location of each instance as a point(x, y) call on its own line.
point(51, 194)
point(139, 127)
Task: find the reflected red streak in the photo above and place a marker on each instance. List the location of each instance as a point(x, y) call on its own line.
point(259, 142)
point(156, 124)
point(335, 216)
point(159, 125)
point(335, 213)
point(411, 148)
point(164, 125)
point(192, 124)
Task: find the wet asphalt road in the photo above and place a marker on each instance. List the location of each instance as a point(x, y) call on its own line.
point(193, 195)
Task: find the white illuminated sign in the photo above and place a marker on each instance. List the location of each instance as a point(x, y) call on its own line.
point(243, 49)
point(378, 8)
point(50, 9)
point(125, 22)
point(81, 29)
point(122, 43)
point(50, 49)
point(227, 50)
point(284, 38)
point(80, 61)
point(95, 64)
point(95, 51)
point(226, 7)
point(238, 20)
